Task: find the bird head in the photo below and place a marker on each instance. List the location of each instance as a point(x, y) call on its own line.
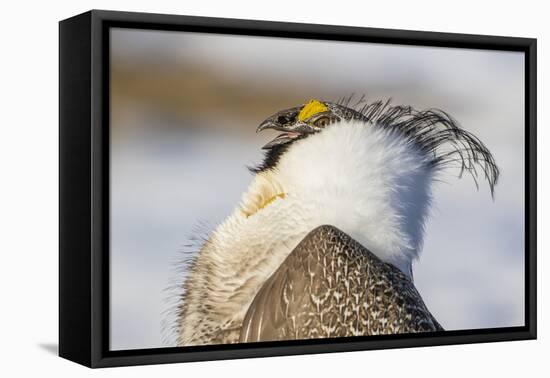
point(302, 121)
point(438, 138)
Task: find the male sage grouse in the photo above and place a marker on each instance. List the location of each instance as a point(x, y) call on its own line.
point(323, 240)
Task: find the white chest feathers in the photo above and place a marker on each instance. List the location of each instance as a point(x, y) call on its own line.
point(369, 182)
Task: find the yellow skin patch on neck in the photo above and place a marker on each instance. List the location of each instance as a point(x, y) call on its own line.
point(310, 109)
point(263, 191)
point(269, 200)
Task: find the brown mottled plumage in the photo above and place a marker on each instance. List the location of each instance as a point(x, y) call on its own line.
point(331, 286)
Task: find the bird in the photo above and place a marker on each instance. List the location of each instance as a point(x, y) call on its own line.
point(323, 241)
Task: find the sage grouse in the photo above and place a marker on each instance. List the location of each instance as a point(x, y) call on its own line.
point(323, 241)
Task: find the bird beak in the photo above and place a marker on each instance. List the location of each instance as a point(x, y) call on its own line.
point(270, 124)
point(285, 122)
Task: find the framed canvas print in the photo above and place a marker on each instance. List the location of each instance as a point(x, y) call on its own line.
point(234, 188)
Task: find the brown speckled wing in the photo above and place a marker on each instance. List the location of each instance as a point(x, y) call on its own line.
point(331, 286)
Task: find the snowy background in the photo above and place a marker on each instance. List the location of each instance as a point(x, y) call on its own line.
point(184, 110)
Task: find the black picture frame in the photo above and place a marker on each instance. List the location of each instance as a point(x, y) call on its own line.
point(84, 187)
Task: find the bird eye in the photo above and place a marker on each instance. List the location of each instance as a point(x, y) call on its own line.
point(282, 120)
point(322, 122)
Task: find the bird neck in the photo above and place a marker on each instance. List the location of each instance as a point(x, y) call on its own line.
point(369, 182)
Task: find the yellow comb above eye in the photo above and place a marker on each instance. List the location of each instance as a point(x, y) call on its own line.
point(311, 108)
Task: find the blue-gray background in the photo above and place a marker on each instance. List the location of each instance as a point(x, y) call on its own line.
point(184, 110)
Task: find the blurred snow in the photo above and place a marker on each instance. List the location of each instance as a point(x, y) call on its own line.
point(170, 171)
